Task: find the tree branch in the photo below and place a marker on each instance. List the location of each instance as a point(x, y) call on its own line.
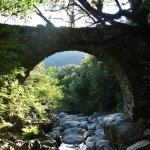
point(118, 4)
point(39, 13)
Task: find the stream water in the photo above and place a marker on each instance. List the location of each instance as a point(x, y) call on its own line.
point(72, 147)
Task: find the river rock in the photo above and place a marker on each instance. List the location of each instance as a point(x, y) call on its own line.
point(67, 118)
point(92, 126)
point(141, 145)
point(120, 131)
point(91, 146)
point(84, 125)
point(74, 130)
point(62, 115)
point(83, 118)
point(99, 135)
point(73, 136)
point(73, 139)
point(103, 145)
point(147, 133)
point(70, 124)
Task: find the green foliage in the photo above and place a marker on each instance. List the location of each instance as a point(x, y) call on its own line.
point(21, 7)
point(45, 86)
point(67, 76)
point(90, 87)
point(16, 98)
point(30, 132)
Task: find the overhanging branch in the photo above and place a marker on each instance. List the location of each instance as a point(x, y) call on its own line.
point(39, 13)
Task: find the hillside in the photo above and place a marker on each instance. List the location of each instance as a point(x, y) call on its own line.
point(64, 58)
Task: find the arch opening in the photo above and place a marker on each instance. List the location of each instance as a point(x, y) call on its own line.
point(119, 72)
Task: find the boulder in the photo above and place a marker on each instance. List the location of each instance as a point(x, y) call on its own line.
point(91, 126)
point(74, 130)
point(70, 124)
point(120, 131)
point(103, 145)
point(147, 134)
point(73, 139)
point(67, 119)
point(73, 136)
point(83, 118)
point(141, 145)
point(99, 135)
point(84, 125)
point(62, 115)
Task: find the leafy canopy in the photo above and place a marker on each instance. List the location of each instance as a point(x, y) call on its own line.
point(90, 87)
point(133, 11)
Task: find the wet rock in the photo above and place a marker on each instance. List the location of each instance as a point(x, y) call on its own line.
point(83, 118)
point(91, 126)
point(147, 134)
point(72, 139)
point(84, 125)
point(74, 130)
point(66, 119)
point(91, 146)
point(99, 135)
point(141, 145)
point(62, 115)
point(103, 145)
point(73, 136)
point(116, 117)
point(70, 124)
point(120, 131)
point(35, 145)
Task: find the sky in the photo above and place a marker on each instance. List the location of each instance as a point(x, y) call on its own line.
point(35, 19)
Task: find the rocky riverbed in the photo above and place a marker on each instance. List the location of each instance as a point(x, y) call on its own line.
point(99, 131)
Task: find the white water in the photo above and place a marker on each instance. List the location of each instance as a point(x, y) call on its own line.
point(72, 147)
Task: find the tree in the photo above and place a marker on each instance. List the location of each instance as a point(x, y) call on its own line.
point(97, 87)
point(67, 76)
point(136, 14)
point(90, 87)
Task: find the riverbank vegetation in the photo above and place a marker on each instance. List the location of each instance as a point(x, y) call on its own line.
point(87, 88)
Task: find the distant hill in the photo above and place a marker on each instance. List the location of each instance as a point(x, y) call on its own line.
point(64, 58)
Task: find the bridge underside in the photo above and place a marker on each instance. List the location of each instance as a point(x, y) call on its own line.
point(127, 54)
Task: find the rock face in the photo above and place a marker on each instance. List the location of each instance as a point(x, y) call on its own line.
point(120, 131)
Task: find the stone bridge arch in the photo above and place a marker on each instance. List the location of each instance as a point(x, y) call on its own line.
point(127, 54)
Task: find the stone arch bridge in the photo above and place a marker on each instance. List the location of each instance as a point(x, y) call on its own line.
point(125, 50)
